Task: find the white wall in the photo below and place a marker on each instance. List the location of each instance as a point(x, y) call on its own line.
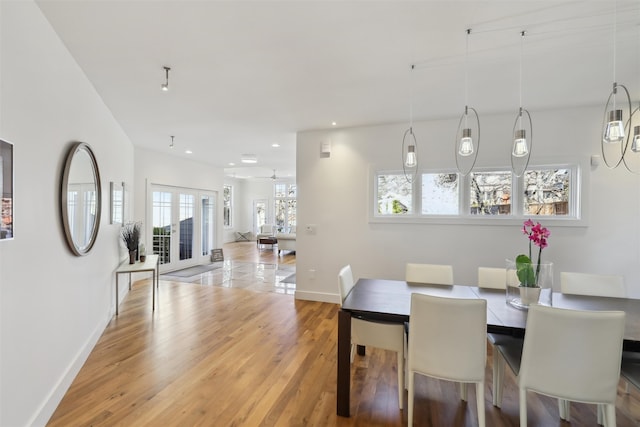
point(53, 305)
point(153, 167)
point(334, 194)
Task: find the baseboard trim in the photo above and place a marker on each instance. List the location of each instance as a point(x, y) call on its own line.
point(48, 407)
point(317, 296)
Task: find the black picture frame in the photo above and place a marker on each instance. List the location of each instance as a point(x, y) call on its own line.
point(6, 190)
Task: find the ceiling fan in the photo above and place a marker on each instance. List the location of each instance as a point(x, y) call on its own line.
point(272, 177)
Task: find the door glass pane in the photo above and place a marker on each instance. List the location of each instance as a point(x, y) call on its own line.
point(281, 213)
point(162, 225)
point(261, 214)
point(186, 226)
point(208, 209)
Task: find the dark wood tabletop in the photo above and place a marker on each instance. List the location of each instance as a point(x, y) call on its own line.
point(390, 300)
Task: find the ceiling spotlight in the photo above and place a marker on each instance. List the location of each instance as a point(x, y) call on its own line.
point(249, 158)
point(231, 164)
point(276, 145)
point(333, 123)
point(165, 85)
point(188, 151)
point(171, 144)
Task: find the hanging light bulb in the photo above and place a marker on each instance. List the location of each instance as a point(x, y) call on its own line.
point(466, 149)
point(635, 145)
point(614, 130)
point(520, 148)
point(466, 143)
point(411, 160)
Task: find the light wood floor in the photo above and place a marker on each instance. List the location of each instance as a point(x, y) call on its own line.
point(215, 356)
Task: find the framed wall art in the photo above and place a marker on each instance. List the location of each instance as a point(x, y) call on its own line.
point(6, 190)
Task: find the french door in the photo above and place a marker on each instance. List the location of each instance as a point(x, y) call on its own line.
point(182, 226)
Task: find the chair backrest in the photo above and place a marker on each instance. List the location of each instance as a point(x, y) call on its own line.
point(436, 274)
point(447, 337)
point(592, 284)
point(345, 282)
point(266, 229)
point(572, 354)
point(494, 278)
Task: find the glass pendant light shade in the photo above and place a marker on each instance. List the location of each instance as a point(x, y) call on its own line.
point(520, 147)
point(614, 130)
point(411, 161)
point(466, 143)
point(616, 134)
point(635, 145)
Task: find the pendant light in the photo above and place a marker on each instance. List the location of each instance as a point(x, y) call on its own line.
point(522, 140)
point(466, 151)
point(615, 136)
point(165, 86)
point(410, 145)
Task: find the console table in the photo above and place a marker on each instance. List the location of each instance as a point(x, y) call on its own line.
point(151, 264)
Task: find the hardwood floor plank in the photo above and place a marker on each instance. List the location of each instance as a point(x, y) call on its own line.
point(219, 356)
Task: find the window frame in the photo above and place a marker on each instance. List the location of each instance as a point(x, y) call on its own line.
point(578, 198)
point(224, 206)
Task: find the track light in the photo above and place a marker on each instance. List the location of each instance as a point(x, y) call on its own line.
point(165, 85)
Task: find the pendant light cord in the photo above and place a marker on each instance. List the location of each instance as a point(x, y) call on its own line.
point(413, 66)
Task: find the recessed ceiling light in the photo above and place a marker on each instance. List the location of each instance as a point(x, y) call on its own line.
point(249, 158)
point(276, 145)
point(188, 151)
point(333, 123)
point(231, 164)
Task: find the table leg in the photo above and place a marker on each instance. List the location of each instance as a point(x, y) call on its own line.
point(153, 291)
point(361, 350)
point(344, 363)
point(117, 286)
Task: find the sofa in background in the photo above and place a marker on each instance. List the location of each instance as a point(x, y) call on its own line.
point(287, 241)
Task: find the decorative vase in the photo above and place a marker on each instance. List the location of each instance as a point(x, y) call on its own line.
point(522, 297)
point(132, 257)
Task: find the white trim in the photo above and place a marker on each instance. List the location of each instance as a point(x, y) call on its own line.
point(317, 296)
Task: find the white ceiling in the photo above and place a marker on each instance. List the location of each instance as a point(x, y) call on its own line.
point(247, 74)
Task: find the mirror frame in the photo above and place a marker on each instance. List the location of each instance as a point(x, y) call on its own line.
point(64, 183)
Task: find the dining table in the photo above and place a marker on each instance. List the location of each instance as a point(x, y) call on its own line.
point(390, 301)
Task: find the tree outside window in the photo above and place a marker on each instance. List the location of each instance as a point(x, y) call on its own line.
point(394, 195)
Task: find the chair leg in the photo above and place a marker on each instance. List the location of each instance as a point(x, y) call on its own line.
point(523, 407)
point(480, 403)
point(463, 391)
point(564, 408)
point(410, 400)
point(601, 415)
point(400, 378)
point(610, 415)
point(498, 378)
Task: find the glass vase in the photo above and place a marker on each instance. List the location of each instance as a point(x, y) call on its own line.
point(521, 296)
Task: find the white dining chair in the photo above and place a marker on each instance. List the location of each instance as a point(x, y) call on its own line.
point(455, 352)
point(496, 278)
point(386, 336)
point(492, 278)
point(592, 284)
point(558, 360)
point(437, 274)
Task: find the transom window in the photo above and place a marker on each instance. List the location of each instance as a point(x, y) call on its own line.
point(550, 191)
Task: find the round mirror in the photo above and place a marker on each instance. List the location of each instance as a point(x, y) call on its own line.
point(80, 198)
